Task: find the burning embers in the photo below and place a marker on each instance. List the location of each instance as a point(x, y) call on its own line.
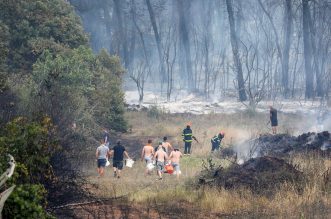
point(262, 175)
point(261, 164)
point(283, 145)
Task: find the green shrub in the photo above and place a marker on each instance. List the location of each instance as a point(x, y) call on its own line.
point(26, 201)
point(31, 144)
point(154, 112)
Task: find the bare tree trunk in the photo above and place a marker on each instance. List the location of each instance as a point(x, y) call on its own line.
point(157, 39)
point(286, 51)
point(234, 43)
point(122, 32)
point(309, 92)
point(319, 80)
point(184, 40)
point(206, 21)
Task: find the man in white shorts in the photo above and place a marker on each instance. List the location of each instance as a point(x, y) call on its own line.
point(175, 157)
point(147, 154)
point(160, 156)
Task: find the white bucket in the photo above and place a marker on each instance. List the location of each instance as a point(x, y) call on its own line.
point(175, 173)
point(150, 166)
point(107, 163)
point(129, 162)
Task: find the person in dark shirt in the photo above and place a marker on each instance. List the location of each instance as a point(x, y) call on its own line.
point(118, 153)
point(273, 120)
point(216, 141)
point(160, 145)
point(106, 137)
point(188, 138)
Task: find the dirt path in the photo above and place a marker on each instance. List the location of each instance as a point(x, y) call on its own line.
point(124, 209)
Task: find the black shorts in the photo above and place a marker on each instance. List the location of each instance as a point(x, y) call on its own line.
point(118, 164)
point(102, 163)
point(274, 123)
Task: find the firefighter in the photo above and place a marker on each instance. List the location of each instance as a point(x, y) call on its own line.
point(216, 141)
point(188, 138)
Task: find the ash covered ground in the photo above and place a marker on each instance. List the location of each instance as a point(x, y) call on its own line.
point(265, 167)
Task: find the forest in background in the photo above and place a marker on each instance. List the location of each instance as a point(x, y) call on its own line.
point(255, 49)
point(56, 93)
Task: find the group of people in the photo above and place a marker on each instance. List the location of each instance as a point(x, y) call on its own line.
point(164, 154)
point(103, 153)
point(161, 156)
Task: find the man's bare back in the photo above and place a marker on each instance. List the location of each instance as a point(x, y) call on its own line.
point(175, 156)
point(160, 155)
point(148, 151)
point(167, 146)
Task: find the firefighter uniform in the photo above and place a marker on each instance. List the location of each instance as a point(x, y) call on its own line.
point(187, 138)
point(216, 141)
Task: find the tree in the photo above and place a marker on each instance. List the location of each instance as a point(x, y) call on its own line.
point(309, 92)
point(182, 7)
point(235, 50)
point(77, 86)
point(4, 49)
point(286, 51)
point(38, 25)
point(32, 144)
point(122, 36)
point(157, 39)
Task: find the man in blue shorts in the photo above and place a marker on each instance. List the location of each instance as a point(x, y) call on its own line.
point(102, 156)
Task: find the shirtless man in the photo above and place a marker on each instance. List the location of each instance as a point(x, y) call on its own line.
point(147, 154)
point(167, 145)
point(175, 157)
point(160, 156)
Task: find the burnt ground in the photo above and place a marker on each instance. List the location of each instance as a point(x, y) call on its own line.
point(122, 208)
point(283, 145)
point(262, 175)
point(265, 173)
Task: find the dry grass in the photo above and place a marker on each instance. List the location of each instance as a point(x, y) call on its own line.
point(238, 127)
point(313, 201)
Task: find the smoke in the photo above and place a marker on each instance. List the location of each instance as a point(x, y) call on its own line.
point(326, 145)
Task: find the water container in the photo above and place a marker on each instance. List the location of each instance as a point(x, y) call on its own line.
point(129, 163)
point(107, 163)
point(169, 168)
point(150, 166)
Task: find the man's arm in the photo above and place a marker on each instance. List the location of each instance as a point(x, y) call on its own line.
point(126, 154)
point(142, 153)
point(111, 152)
point(171, 147)
point(97, 154)
point(166, 156)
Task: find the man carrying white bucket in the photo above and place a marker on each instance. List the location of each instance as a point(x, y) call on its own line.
point(175, 157)
point(160, 156)
point(147, 155)
point(118, 153)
